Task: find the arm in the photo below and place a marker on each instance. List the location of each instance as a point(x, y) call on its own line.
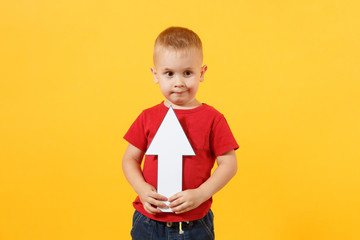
point(131, 164)
point(189, 199)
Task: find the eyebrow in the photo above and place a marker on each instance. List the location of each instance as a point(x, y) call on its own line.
point(187, 68)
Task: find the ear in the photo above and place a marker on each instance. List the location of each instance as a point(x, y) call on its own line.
point(154, 73)
point(203, 70)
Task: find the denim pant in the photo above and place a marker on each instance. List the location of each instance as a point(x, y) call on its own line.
point(145, 228)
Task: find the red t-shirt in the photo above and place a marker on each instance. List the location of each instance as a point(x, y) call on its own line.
point(209, 135)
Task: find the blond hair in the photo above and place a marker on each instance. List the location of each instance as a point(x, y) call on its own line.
point(177, 38)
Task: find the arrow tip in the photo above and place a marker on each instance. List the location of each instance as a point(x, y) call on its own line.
point(170, 137)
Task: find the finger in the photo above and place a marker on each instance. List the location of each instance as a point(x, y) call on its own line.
point(150, 209)
point(157, 203)
point(158, 196)
point(176, 203)
point(184, 208)
point(181, 208)
point(174, 197)
point(182, 211)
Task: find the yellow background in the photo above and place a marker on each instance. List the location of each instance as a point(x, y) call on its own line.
point(75, 74)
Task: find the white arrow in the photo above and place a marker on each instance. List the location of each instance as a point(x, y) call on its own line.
point(170, 144)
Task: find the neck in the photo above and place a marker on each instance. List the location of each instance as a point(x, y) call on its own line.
point(194, 104)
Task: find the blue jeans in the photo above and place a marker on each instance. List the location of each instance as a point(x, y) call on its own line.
point(144, 228)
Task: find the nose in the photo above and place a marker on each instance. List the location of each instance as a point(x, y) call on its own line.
point(179, 82)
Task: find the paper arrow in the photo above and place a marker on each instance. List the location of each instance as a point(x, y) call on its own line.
point(170, 144)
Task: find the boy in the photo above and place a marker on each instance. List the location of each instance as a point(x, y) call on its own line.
point(178, 71)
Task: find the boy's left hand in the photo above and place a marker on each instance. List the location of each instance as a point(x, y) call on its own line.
point(186, 200)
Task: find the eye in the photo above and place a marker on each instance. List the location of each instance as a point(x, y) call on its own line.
point(187, 73)
point(169, 74)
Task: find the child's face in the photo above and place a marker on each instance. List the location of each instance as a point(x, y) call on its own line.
point(179, 74)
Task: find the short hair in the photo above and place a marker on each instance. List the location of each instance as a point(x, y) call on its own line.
point(177, 38)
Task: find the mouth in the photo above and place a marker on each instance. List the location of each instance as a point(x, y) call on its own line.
point(179, 92)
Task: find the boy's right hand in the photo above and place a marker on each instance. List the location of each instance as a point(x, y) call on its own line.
point(151, 199)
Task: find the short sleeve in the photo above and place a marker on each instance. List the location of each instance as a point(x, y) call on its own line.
point(136, 133)
point(222, 139)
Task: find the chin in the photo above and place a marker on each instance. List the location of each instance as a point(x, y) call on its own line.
point(177, 104)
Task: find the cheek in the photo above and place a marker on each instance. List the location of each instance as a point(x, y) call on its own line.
point(194, 85)
point(164, 87)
